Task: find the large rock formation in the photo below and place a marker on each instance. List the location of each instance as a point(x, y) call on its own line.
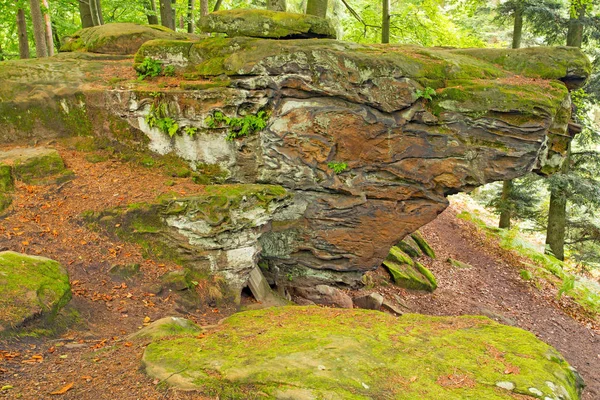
point(367, 140)
point(320, 353)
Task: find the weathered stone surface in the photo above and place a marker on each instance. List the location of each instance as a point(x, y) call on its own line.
point(117, 38)
point(258, 285)
point(267, 24)
point(313, 353)
point(30, 288)
point(407, 273)
point(372, 301)
point(331, 103)
point(168, 326)
point(322, 294)
point(31, 165)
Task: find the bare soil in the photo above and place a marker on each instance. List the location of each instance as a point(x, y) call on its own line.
point(94, 358)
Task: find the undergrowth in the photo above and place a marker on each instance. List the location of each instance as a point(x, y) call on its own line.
point(583, 291)
point(239, 127)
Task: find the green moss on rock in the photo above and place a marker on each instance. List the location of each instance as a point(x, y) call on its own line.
point(117, 38)
point(168, 327)
point(423, 245)
point(30, 288)
point(267, 24)
point(311, 352)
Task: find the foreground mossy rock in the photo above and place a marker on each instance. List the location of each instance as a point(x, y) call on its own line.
point(267, 24)
point(167, 327)
point(31, 288)
point(117, 38)
point(314, 353)
point(408, 273)
point(423, 245)
point(33, 165)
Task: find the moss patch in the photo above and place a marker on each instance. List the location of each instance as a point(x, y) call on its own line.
point(30, 287)
point(423, 245)
point(310, 352)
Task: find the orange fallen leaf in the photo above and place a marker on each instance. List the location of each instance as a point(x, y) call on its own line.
point(64, 389)
point(128, 344)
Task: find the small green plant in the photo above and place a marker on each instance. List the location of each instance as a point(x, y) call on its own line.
point(169, 70)
point(525, 275)
point(158, 118)
point(567, 286)
point(239, 127)
point(428, 93)
point(338, 167)
point(148, 68)
point(155, 95)
point(190, 130)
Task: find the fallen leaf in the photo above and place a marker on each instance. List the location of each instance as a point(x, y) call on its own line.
point(128, 344)
point(6, 387)
point(64, 389)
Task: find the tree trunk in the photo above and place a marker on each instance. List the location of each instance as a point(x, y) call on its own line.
point(56, 37)
point(99, 11)
point(385, 23)
point(575, 33)
point(317, 7)
point(94, 12)
point(518, 28)
point(48, 23)
point(22, 32)
point(39, 33)
point(85, 14)
point(190, 15)
point(277, 5)
point(218, 5)
point(166, 14)
point(150, 7)
point(505, 213)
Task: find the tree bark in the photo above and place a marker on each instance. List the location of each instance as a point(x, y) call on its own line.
point(99, 11)
point(518, 28)
point(575, 32)
point(276, 5)
point(385, 23)
point(85, 14)
point(150, 6)
point(190, 16)
point(317, 7)
point(22, 32)
point(39, 33)
point(218, 5)
point(48, 23)
point(505, 213)
point(166, 14)
point(94, 12)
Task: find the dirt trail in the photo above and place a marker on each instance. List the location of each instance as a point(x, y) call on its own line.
point(493, 288)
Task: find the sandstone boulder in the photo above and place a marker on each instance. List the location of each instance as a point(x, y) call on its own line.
point(313, 352)
point(407, 273)
point(117, 38)
point(267, 24)
point(31, 288)
point(34, 165)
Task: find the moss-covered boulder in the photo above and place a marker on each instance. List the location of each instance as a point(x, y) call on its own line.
point(423, 244)
point(408, 273)
point(267, 24)
point(30, 288)
point(33, 165)
point(117, 38)
point(168, 327)
point(320, 353)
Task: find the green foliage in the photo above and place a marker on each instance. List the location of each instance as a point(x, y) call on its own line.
point(158, 118)
point(428, 93)
point(567, 286)
point(338, 167)
point(238, 127)
point(190, 130)
point(149, 68)
point(169, 70)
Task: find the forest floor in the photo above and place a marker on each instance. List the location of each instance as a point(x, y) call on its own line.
point(94, 359)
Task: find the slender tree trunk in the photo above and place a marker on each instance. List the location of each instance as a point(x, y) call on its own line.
point(277, 5)
point(39, 33)
point(518, 28)
point(385, 23)
point(204, 8)
point(505, 214)
point(94, 12)
point(317, 7)
point(557, 215)
point(190, 16)
point(22, 32)
point(56, 37)
point(575, 33)
point(48, 23)
point(85, 14)
point(218, 5)
point(150, 6)
point(166, 14)
point(99, 11)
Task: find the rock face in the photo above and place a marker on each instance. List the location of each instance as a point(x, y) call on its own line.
point(30, 288)
point(267, 24)
point(312, 353)
point(117, 38)
point(367, 140)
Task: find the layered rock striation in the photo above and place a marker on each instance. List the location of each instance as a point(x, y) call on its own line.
point(367, 140)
